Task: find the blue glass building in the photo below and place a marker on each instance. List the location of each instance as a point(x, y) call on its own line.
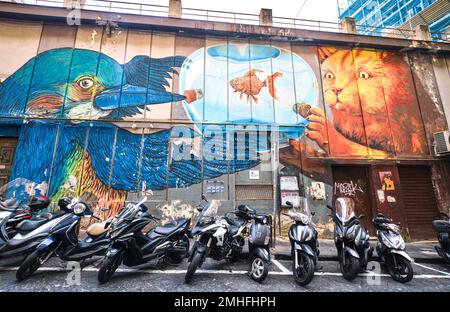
point(404, 14)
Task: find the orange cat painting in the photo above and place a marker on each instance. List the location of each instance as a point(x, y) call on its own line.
point(371, 107)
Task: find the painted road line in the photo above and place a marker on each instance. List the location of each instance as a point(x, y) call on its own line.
point(432, 269)
point(225, 272)
point(281, 267)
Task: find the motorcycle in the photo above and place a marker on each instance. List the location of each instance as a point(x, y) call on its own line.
point(391, 249)
point(224, 238)
point(304, 243)
point(351, 239)
point(62, 239)
point(20, 230)
point(128, 245)
point(442, 228)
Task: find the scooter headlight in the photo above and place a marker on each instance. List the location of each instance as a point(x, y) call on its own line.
point(79, 208)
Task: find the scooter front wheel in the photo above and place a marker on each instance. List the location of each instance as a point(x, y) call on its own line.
point(109, 266)
point(349, 266)
point(195, 262)
point(31, 263)
point(304, 272)
point(259, 269)
point(402, 272)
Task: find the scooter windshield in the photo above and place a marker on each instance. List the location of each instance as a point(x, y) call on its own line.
point(345, 209)
point(20, 190)
point(301, 213)
point(130, 211)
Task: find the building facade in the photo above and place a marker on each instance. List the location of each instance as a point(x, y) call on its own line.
point(110, 114)
point(405, 14)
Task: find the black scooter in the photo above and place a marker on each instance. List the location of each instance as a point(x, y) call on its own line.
point(442, 228)
point(63, 240)
point(304, 244)
point(128, 245)
point(351, 239)
point(21, 231)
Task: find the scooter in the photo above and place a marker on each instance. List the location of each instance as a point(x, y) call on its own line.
point(258, 239)
point(391, 249)
point(224, 237)
point(351, 238)
point(442, 228)
point(62, 240)
point(128, 245)
point(20, 230)
point(304, 243)
point(24, 220)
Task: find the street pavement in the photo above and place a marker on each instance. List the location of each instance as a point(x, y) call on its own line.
point(55, 275)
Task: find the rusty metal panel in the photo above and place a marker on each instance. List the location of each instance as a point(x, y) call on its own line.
point(419, 200)
point(254, 192)
point(428, 94)
point(353, 182)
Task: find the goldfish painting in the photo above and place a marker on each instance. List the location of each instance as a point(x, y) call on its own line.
point(251, 85)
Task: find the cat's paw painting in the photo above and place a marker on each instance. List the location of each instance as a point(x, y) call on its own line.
point(317, 127)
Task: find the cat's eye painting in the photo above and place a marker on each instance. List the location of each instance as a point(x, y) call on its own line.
point(370, 105)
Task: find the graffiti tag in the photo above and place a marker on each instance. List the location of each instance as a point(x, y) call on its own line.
point(347, 188)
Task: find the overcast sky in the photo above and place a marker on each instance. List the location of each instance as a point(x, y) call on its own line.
point(323, 10)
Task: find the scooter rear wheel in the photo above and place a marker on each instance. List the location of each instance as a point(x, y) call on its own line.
point(30, 264)
point(349, 266)
point(109, 266)
point(304, 273)
point(401, 273)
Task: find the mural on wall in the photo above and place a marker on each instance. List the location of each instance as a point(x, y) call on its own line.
point(371, 108)
point(98, 87)
point(325, 102)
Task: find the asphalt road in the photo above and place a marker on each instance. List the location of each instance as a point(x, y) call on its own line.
point(219, 276)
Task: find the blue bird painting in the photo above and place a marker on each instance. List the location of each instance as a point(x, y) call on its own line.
point(66, 85)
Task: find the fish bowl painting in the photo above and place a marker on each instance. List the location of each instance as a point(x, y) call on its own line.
point(249, 84)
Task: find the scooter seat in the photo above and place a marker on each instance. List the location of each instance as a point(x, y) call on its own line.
point(441, 226)
point(171, 227)
point(9, 205)
point(29, 225)
point(96, 229)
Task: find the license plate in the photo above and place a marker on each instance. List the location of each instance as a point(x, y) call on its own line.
point(46, 242)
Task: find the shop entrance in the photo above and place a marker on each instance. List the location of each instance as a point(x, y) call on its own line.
point(419, 200)
point(353, 182)
point(7, 150)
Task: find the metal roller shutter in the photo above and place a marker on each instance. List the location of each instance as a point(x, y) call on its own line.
point(419, 201)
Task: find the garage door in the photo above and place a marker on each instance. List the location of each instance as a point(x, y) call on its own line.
point(419, 201)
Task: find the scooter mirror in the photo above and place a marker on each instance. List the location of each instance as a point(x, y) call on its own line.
point(288, 203)
point(204, 198)
point(313, 213)
point(329, 207)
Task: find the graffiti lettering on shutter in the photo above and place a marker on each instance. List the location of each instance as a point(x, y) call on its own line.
point(347, 188)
